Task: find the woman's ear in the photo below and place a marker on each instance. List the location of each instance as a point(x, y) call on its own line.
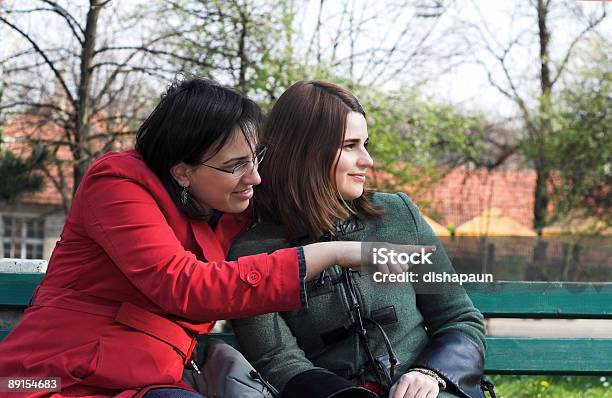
point(181, 172)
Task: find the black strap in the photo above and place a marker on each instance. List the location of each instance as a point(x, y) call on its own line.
point(384, 377)
point(486, 385)
point(255, 375)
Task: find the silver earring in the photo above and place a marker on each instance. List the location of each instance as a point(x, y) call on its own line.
point(184, 195)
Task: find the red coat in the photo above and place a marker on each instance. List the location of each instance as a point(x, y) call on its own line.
point(130, 284)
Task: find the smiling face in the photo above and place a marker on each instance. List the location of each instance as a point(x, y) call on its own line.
point(354, 160)
point(215, 189)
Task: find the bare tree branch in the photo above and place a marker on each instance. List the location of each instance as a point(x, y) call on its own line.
point(17, 55)
point(568, 54)
point(33, 104)
point(70, 21)
point(50, 64)
point(316, 34)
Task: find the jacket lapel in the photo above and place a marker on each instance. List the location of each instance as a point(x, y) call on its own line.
point(216, 244)
point(229, 227)
point(207, 240)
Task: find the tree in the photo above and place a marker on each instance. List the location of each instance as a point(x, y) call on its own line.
point(536, 106)
point(379, 43)
point(263, 46)
point(75, 92)
point(246, 44)
point(582, 147)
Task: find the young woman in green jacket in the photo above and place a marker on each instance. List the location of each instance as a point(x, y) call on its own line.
point(358, 337)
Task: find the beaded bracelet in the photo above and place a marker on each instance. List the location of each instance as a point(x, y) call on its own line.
point(432, 374)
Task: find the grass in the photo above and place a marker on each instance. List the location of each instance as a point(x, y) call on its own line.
point(552, 386)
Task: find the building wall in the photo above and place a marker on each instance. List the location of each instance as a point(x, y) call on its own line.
point(464, 194)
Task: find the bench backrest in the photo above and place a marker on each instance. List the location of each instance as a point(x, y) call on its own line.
point(505, 355)
point(15, 292)
point(546, 300)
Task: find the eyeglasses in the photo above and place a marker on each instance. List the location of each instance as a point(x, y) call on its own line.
point(242, 168)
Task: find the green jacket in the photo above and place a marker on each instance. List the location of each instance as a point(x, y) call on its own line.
point(284, 345)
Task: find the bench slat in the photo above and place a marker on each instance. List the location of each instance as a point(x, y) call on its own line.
point(514, 355)
point(16, 289)
point(559, 300)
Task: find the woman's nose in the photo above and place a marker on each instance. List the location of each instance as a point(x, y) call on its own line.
point(365, 160)
point(252, 177)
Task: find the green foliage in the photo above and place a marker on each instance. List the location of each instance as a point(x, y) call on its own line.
point(582, 147)
point(247, 44)
point(552, 386)
point(416, 140)
point(18, 176)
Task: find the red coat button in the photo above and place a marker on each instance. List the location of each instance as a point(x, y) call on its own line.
point(253, 277)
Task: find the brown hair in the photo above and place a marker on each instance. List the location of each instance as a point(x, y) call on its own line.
point(303, 132)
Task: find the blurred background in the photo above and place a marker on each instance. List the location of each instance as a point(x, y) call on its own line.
point(493, 116)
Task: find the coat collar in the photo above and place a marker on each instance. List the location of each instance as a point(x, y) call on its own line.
point(346, 227)
point(349, 226)
point(215, 243)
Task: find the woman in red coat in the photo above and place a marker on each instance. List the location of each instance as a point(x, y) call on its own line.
point(140, 268)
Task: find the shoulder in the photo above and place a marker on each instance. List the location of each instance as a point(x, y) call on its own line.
point(122, 164)
point(398, 208)
point(124, 174)
point(393, 201)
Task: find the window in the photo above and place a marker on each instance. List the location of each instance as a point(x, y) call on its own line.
point(22, 237)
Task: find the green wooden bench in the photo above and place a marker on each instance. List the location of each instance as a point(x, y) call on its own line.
point(15, 292)
point(505, 355)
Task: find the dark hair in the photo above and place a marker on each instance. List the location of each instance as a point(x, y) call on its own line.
point(195, 117)
point(303, 132)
